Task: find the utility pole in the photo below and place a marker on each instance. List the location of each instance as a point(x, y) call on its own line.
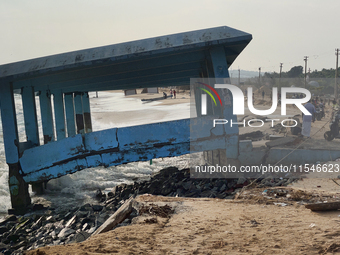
point(305, 59)
point(280, 76)
point(336, 75)
point(260, 75)
point(239, 77)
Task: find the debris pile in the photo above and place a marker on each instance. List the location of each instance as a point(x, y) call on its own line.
point(152, 209)
point(51, 226)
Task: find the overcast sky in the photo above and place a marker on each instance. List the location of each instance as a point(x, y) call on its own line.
point(283, 31)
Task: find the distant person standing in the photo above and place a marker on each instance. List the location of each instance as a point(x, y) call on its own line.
point(321, 104)
point(171, 93)
point(335, 106)
point(307, 119)
point(262, 94)
point(174, 93)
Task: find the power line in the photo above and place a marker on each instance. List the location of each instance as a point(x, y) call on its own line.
point(280, 76)
point(336, 74)
point(296, 61)
point(259, 75)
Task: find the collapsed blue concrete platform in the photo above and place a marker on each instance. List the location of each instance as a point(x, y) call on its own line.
point(69, 143)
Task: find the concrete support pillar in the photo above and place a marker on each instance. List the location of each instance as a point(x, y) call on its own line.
point(46, 116)
point(18, 187)
point(48, 128)
point(30, 115)
point(221, 74)
point(219, 64)
point(70, 116)
point(87, 112)
point(78, 105)
point(59, 114)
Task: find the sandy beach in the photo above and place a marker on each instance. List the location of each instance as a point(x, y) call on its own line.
point(217, 226)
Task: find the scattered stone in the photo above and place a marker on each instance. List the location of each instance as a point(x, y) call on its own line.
point(71, 221)
point(223, 187)
point(81, 236)
point(49, 218)
point(85, 226)
point(100, 196)
point(65, 232)
point(8, 218)
point(186, 185)
point(91, 230)
point(121, 214)
point(85, 208)
point(53, 227)
point(37, 223)
point(110, 194)
point(97, 208)
point(57, 242)
point(3, 230)
point(38, 207)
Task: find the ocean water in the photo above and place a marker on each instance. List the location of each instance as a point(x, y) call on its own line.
point(108, 110)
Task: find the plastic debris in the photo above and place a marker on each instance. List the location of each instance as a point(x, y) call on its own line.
point(280, 204)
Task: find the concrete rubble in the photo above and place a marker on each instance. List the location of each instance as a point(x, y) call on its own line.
point(53, 227)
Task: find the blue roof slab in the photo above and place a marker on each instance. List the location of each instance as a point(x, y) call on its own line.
point(160, 61)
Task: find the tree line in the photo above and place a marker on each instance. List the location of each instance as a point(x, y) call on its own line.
point(297, 71)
